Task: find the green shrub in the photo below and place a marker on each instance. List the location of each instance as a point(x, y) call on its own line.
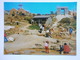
point(34, 27)
point(73, 25)
point(65, 20)
point(28, 19)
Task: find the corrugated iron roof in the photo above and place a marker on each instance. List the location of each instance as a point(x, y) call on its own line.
point(41, 16)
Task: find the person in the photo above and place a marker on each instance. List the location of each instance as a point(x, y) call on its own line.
point(17, 28)
point(5, 39)
point(61, 49)
point(40, 24)
point(47, 47)
point(41, 29)
point(66, 48)
point(17, 23)
point(32, 21)
point(52, 30)
point(47, 33)
point(70, 31)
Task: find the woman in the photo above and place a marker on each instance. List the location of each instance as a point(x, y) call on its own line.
point(47, 47)
point(5, 39)
point(66, 48)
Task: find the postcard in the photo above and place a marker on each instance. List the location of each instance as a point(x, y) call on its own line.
point(39, 30)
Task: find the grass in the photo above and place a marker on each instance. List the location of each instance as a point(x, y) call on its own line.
point(32, 27)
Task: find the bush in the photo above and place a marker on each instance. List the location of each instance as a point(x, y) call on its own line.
point(73, 25)
point(65, 20)
point(34, 27)
point(28, 19)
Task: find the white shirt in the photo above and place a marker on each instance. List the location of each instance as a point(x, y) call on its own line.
point(39, 24)
point(47, 31)
point(41, 27)
point(46, 44)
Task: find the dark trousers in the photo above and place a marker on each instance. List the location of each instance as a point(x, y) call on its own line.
point(5, 39)
point(40, 31)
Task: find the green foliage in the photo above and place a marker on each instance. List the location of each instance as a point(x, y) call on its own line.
point(65, 20)
point(34, 27)
point(20, 13)
point(73, 25)
point(28, 19)
point(34, 14)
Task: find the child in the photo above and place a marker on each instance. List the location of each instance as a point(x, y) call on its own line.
point(47, 47)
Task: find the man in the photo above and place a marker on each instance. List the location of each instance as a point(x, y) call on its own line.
point(70, 31)
point(32, 21)
point(40, 31)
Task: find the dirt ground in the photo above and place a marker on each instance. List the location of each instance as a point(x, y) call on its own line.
point(30, 43)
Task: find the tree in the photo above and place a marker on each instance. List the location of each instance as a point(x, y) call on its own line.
point(34, 14)
point(28, 19)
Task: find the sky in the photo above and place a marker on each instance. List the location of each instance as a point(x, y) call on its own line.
point(40, 7)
